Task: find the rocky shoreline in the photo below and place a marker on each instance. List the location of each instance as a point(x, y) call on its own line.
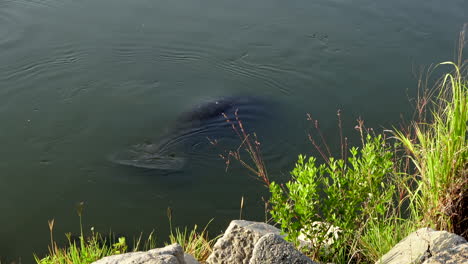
point(246, 242)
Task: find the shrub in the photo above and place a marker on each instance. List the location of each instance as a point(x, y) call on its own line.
point(349, 194)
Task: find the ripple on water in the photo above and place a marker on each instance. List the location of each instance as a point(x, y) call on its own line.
point(36, 3)
point(26, 68)
point(239, 66)
point(181, 55)
point(252, 71)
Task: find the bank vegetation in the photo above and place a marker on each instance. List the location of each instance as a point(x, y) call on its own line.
point(395, 182)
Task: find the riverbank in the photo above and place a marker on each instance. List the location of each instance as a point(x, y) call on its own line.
point(369, 192)
point(257, 242)
point(371, 197)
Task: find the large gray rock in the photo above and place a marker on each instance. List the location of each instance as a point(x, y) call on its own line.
point(421, 245)
point(189, 259)
point(273, 249)
point(455, 255)
point(237, 244)
point(173, 250)
point(172, 254)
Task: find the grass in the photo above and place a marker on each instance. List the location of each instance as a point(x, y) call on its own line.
point(193, 242)
point(381, 236)
point(438, 149)
point(84, 250)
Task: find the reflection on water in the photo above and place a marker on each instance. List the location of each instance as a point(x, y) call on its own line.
point(81, 80)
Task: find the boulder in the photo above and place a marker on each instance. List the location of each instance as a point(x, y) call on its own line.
point(237, 244)
point(172, 254)
point(273, 249)
point(189, 259)
point(455, 255)
point(421, 245)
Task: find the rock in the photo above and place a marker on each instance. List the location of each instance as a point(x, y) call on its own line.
point(189, 259)
point(138, 258)
point(172, 254)
point(237, 244)
point(273, 249)
point(421, 245)
point(455, 255)
point(174, 250)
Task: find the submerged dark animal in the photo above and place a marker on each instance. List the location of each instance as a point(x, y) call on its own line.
point(193, 132)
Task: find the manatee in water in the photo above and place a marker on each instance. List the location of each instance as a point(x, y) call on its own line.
point(192, 132)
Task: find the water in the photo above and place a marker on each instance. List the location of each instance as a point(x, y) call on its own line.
point(80, 80)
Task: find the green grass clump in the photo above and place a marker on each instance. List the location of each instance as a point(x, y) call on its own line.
point(193, 242)
point(439, 151)
point(85, 250)
point(381, 236)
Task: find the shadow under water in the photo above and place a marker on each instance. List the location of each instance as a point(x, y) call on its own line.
point(196, 131)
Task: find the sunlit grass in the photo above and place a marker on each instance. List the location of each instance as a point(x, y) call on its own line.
point(87, 249)
point(83, 251)
point(193, 242)
point(439, 151)
point(381, 236)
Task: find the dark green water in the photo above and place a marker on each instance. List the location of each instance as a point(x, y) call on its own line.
point(82, 79)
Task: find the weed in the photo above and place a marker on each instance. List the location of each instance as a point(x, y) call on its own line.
point(192, 242)
point(438, 149)
point(251, 145)
point(85, 250)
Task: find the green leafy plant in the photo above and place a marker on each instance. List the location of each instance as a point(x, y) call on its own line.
point(348, 194)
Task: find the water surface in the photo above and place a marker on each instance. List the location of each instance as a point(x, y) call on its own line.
point(80, 80)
